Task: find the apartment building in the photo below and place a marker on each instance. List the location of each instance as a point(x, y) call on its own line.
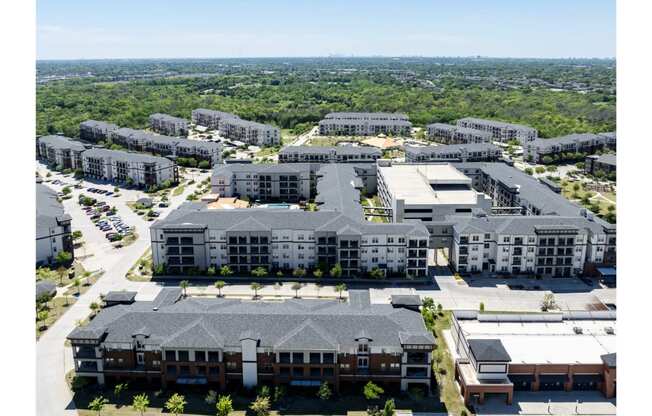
point(507, 352)
point(334, 154)
point(567, 147)
point(210, 118)
point(95, 131)
point(424, 192)
point(449, 134)
point(60, 152)
point(365, 124)
point(500, 131)
point(231, 343)
point(267, 182)
point(600, 163)
point(136, 168)
point(168, 125)
point(250, 132)
point(53, 226)
point(142, 141)
point(471, 152)
point(194, 237)
point(555, 246)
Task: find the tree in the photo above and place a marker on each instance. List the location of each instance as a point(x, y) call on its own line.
point(140, 403)
point(176, 403)
point(119, 388)
point(76, 235)
point(279, 393)
point(428, 303)
point(390, 408)
point(299, 272)
point(256, 287)
point(219, 285)
point(225, 271)
point(546, 160)
point(529, 171)
point(481, 306)
point(324, 391)
point(211, 397)
point(340, 288)
point(318, 273)
point(76, 283)
point(296, 286)
point(261, 406)
point(211, 271)
point(62, 272)
point(224, 405)
point(204, 164)
point(372, 391)
point(548, 302)
point(259, 271)
point(63, 258)
point(97, 404)
point(95, 307)
point(376, 273)
point(42, 316)
point(336, 271)
point(184, 285)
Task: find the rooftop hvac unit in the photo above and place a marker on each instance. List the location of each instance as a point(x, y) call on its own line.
point(577, 330)
point(609, 330)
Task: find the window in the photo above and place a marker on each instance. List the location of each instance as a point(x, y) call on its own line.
point(231, 365)
point(213, 356)
point(170, 356)
point(214, 371)
point(328, 358)
point(345, 366)
point(297, 358)
point(363, 362)
point(183, 356)
point(200, 356)
point(363, 348)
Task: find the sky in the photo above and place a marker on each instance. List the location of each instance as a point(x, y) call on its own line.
point(97, 29)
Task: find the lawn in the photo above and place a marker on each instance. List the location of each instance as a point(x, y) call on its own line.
point(178, 190)
point(56, 308)
point(445, 371)
point(141, 271)
point(576, 192)
point(298, 402)
point(332, 140)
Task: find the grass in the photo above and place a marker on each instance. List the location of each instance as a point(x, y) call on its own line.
point(445, 371)
point(129, 239)
point(178, 190)
point(56, 308)
point(568, 191)
point(332, 141)
point(141, 275)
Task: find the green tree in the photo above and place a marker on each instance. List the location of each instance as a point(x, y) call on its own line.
point(41, 317)
point(481, 306)
point(255, 287)
point(318, 273)
point(340, 288)
point(539, 169)
point(62, 272)
point(390, 408)
point(97, 404)
point(296, 286)
point(224, 406)
point(336, 271)
point(376, 273)
point(184, 285)
point(324, 392)
point(140, 403)
point(372, 391)
point(76, 235)
point(118, 389)
point(261, 406)
point(259, 272)
point(211, 397)
point(428, 303)
point(176, 403)
point(219, 285)
point(76, 284)
point(299, 272)
point(548, 302)
point(211, 271)
point(279, 393)
point(225, 271)
point(64, 258)
point(94, 307)
point(529, 171)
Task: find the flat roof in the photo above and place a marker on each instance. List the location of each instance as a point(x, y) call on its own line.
point(412, 183)
point(547, 342)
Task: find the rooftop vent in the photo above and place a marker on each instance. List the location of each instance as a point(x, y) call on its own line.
point(609, 330)
point(578, 330)
point(155, 308)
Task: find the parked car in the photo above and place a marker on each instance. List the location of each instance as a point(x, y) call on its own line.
point(95, 216)
point(163, 205)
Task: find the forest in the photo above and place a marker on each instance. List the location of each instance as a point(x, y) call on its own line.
point(557, 97)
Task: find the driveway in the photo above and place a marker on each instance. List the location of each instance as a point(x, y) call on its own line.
point(53, 359)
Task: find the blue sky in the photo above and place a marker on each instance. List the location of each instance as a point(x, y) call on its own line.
point(72, 29)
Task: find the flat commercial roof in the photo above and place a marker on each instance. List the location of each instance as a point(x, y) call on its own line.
point(547, 342)
point(412, 183)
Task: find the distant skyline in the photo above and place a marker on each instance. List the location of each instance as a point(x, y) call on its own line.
point(76, 29)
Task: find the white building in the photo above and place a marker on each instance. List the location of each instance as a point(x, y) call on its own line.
point(426, 191)
point(60, 152)
point(137, 168)
point(501, 131)
point(168, 125)
point(53, 226)
point(285, 182)
point(210, 118)
point(250, 132)
point(365, 124)
point(449, 134)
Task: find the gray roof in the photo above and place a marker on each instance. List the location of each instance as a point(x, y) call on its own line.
point(521, 224)
point(488, 350)
point(247, 124)
point(609, 359)
point(258, 168)
point(120, 296)
point(49, 211)
point(366, 116)
point(338, 189)
point(568, 139)
point(126, 156)
point(61, 142)
point(457, 129)
point(529, 189)
point(214, 113)
point(45, 287)
point(606, 159)
point(142, 137)
point(102, 125)
point(291, 324)
point(168, 118)
point(408, 300)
